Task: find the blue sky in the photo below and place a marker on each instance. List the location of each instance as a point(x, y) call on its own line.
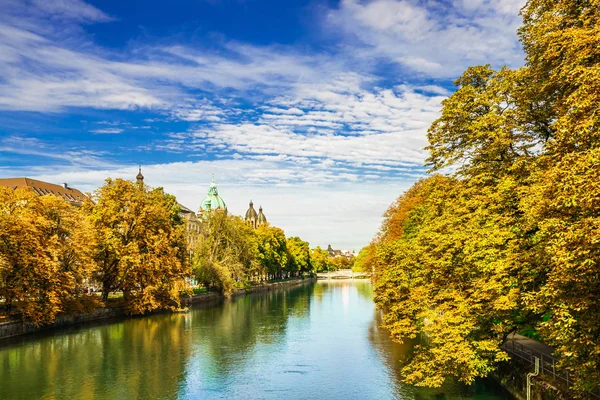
point(317, 110)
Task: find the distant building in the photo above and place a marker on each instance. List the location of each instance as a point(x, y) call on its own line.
point(253, 219)
point(332, 252)
point(72, 195)
point(339, 253)
point(212, 202)
point(192, 225)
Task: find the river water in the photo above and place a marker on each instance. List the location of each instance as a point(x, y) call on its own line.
point(317, 341)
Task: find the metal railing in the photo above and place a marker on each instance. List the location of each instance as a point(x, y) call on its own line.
point(548, 363)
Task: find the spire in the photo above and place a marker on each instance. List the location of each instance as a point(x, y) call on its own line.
point(262, 220)
point(212, 190)
point(139, 177)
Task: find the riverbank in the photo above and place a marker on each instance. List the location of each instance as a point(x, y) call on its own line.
point(18, 328)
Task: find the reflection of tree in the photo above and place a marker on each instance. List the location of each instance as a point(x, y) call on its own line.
point(227, 334)
point(362, 286)
point(393, 353)
point(138, 358)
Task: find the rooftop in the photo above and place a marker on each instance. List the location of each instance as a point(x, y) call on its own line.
point(42, 188)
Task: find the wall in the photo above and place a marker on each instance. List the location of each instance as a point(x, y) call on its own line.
point(11, 329)
point(512, 375)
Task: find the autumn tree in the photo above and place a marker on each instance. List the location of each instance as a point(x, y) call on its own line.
point(226, 253)
point(365, 260)
point(44, 255)
point(563, 58)
point(140, 245)
point(342, 262)
point(509, 240)
point(320, 260)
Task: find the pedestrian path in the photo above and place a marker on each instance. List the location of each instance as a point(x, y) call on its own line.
point(532, 344)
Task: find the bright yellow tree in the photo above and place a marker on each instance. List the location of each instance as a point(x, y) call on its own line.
point(140, 245)
point(44, 255)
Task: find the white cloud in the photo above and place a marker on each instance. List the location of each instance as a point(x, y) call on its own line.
point(320, 139)
point(79, 157)
point(431, 38)
point(107, 131)
point(345, 215)
point(70, 9)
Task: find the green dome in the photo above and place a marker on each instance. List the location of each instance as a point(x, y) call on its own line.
point(213, 201)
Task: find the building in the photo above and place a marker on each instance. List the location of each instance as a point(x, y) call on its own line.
point(255, 219)
point(64, 191)
point(192, 225)
point(212, 202)
point(339, 253)
point(188, 217)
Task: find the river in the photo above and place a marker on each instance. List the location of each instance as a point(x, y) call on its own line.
point(317, 341)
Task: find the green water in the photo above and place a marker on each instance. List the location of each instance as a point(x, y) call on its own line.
point(317, 341)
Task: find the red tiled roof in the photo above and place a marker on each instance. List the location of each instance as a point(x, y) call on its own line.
point(41, 188)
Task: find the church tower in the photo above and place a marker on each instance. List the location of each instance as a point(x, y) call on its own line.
point(251, 216)
point(139, 178)
point(253, 219)
point(262, 220)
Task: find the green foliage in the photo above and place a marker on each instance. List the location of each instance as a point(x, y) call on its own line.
point(230, 254)
point(226, 253)
point(320, 260)
point(364, 261)
point(299, 255)
point(272, 250)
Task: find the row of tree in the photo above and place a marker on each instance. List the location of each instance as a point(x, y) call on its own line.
point(510, 239)
point(130, 239)
point(230, 254)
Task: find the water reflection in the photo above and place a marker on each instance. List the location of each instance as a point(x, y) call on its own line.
point(314, 341)
point(124, 360)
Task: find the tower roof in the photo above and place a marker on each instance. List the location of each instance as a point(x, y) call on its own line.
point(251, 213)
point(261, 217)
point(139, 176)
point(213, 201)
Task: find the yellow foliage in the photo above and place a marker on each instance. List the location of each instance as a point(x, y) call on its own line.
point(139, 245)
point(44, 255)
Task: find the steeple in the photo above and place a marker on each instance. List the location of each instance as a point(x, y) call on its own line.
point(262, 219)
point(212, 190)
point(139, 177)
point(251, 217)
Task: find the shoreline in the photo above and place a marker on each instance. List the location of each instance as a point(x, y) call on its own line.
point(12, 329)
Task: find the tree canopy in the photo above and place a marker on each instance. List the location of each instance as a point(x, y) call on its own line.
point(139, 246)
point(507, 241)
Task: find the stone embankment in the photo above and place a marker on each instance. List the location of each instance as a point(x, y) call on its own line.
point(17, 328)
